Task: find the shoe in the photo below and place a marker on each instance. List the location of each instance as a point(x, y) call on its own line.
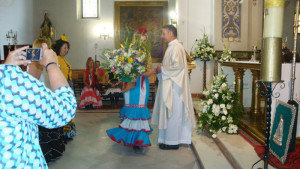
point(139, 150)
point(168, 147)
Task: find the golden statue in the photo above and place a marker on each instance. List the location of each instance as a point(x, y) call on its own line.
point(46, 29)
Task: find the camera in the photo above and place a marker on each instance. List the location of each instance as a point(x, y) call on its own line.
point(34, 54)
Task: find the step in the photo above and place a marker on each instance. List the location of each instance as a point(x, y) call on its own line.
point(209, 154)
point(241, 151)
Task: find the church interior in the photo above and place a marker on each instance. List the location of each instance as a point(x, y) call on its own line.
point(250, 60)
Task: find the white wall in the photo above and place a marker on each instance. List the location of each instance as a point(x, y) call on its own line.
point(18, 16)
point(194, 15)
point(27, 16)
point(81, 33)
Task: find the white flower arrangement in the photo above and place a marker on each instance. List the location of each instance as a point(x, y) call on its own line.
point(222, 111)
point(204, 50)
point(226, 55)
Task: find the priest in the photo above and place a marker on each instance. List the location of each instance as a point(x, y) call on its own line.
point(173, 109)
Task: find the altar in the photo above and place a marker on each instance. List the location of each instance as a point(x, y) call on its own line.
point(254, 117)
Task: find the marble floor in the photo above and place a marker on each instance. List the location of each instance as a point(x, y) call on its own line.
point(92, 149)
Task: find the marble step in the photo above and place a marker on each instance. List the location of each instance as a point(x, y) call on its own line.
point(209, 154)
point(226, 152)
point(241, 152)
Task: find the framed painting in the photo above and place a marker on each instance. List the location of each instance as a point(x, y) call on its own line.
point(130, 15)
point(282, 129)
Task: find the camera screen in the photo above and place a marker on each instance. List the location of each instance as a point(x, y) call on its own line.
point(33, 54)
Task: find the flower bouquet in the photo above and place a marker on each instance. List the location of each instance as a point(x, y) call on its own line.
point(127, 62)
point(222, 111)
point(204, 50)
point(226, 55)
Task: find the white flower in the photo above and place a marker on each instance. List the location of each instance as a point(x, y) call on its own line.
point(225, 111)
point(216, 95)
point(223, 118)
point(224, 85)
point(224, 128)
point(216, 110)
point(210, 101)
point(229, 106)
point(233, 82)
point(229, 119)
point(222, 106)
point(214, 136)
point(205, 109)
point(206, 93)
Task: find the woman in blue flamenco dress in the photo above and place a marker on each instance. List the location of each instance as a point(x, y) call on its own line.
point(134, 129)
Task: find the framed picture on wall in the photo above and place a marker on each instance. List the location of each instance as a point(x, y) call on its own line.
point(130, 15)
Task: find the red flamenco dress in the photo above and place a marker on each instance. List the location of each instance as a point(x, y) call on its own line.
point(90, 96)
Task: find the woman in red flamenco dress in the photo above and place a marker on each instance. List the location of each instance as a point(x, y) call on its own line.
point(90, 96)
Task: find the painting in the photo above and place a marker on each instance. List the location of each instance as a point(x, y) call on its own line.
point(282, 129)
point(130, 15)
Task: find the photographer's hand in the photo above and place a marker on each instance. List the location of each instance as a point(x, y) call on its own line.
point(48, 56)
point(17, 57)
point(56, 78)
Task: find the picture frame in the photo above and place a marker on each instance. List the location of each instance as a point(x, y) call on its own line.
point(282, 129)
point(130, 15)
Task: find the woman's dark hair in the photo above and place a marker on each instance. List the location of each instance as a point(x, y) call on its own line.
point(58, 44)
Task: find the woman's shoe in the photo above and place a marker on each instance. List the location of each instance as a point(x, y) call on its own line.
point(139, 150)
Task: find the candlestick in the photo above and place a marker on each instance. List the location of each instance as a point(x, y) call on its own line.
point(272, 41)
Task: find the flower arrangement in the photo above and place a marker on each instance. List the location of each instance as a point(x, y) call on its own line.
point(204, 50)
point(226, 55)
point(127, 62)
point(222, 111)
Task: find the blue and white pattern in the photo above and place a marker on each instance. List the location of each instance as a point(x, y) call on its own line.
point(26, 103)
point(134, 129)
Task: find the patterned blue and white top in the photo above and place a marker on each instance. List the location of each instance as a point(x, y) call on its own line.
point(26, 103)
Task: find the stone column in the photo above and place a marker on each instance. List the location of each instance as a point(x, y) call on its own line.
point(239, 75)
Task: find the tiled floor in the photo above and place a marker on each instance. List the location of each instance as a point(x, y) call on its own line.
point(92, 149)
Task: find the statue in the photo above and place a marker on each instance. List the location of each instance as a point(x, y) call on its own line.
point(46, 29)
point(279, 132)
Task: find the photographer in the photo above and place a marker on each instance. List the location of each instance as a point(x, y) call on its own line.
point(26, 103)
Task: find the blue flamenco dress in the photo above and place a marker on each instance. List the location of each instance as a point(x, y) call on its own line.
point(134, 129)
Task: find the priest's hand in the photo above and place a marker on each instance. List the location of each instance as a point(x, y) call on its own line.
point(17, 57)
point(158, 69)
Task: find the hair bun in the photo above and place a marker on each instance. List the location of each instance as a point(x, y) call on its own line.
point(64, 38)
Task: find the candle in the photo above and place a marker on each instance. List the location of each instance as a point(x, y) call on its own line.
point(273, 21)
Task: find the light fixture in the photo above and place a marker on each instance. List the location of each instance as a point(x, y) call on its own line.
point(173, 18)
point(104, 34)
point(11, 37)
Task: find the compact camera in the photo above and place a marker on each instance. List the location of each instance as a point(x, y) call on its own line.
point(34, 54)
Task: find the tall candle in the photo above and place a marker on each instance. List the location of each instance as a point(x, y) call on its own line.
point(273, 21)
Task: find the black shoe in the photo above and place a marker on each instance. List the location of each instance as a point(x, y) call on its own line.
point(168, 147)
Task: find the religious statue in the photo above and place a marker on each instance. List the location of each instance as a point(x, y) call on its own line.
point(46, 29)
point(279, 133)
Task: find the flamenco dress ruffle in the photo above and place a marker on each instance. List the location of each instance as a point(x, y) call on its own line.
point(134, 129)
